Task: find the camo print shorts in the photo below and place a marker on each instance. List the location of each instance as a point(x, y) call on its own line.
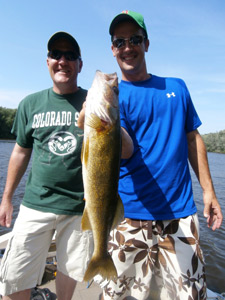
point(157, 260)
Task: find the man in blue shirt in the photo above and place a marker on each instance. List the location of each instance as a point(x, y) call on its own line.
point(156, 248)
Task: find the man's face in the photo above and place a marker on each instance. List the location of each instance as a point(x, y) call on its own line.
point(62, 71)
point(131, 58)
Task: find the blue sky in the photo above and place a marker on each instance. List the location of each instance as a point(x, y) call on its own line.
point(187, 40)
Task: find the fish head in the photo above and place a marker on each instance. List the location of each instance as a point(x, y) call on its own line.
point(102, 99)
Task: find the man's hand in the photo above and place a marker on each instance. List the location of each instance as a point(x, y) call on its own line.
point(127, 143)
point(18, 163)
point(6, 210)
point(80, 121)
point(212, 211)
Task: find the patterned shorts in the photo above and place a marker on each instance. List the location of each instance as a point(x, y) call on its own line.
point(157, 260)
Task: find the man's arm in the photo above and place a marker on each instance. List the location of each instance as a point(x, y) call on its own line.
point(18, 163)
point(127, 144)
point(198, 159)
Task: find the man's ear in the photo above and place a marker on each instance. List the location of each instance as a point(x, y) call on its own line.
point(80, 65)
point(113, 51)
point(147, 44)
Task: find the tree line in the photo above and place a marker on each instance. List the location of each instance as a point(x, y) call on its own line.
point(215, 142)
point(7, 116)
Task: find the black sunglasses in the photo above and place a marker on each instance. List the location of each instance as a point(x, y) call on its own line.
point(134, 40)
point(57, 54)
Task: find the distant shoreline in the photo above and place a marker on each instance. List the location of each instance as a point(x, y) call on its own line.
point(13, 141)
point(7, 141)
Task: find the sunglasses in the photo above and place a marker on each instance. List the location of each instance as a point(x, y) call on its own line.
point(69, 55)
point(134, 40)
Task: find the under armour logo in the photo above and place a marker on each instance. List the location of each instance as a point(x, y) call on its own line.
point(170, 95)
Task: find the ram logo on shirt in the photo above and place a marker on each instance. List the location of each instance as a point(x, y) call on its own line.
point(62, 143)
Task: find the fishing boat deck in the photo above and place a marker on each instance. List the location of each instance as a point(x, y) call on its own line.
point(82, 292)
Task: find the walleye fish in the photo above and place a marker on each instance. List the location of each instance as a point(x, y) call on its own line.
point(100, 167)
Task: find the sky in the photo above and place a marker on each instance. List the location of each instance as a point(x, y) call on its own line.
point(187, 40)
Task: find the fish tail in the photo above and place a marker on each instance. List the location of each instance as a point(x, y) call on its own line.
point(103, 266)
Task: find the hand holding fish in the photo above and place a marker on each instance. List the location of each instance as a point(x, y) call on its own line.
point(80, 121)
point(127, 146)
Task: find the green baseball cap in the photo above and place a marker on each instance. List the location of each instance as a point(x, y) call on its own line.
point(127, 15)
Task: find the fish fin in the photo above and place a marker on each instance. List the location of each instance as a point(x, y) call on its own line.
point(93, 121)
point(85, 151)
point(103, 266)
point(85, 222)
point(119, 215)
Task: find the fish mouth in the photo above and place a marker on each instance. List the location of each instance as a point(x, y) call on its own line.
point(104, 122)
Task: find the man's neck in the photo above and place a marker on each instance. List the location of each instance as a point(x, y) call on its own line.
point(65, 90)
point(132, 78)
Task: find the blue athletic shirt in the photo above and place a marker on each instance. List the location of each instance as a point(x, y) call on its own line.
point(155, 183)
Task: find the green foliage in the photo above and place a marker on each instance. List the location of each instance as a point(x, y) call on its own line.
point(215, 142)
point(7, 116)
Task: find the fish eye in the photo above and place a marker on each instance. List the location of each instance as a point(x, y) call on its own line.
point(116, 90)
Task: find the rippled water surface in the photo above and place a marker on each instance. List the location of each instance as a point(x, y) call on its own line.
point(213, 243)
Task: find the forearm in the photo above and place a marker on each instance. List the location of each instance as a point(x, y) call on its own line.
point(198, 159)
point(197, 155)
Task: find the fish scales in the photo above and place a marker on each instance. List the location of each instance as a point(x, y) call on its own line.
point(100, 166)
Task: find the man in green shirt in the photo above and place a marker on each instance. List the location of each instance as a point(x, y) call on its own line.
point(46, 127)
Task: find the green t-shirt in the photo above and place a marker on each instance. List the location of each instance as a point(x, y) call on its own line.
point(47, 122)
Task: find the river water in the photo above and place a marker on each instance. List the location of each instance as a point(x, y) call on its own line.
point(212, 243)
